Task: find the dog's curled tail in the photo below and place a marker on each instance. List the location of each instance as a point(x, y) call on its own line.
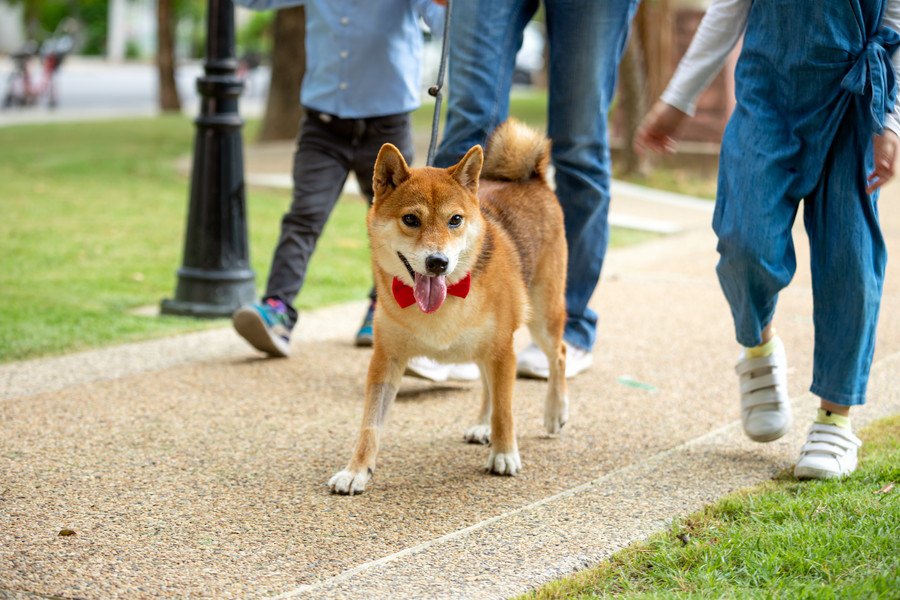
point(515, 152)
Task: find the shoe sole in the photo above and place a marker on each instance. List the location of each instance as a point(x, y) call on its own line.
point(421, 375)
point(457, 377)
point(526, 373)
point(252, 328)
point(771, 437)
point(806, 473)
point(364, 341)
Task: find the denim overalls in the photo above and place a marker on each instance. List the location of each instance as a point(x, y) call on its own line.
point(813, 83)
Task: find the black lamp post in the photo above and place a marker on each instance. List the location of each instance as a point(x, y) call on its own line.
point(215, 277)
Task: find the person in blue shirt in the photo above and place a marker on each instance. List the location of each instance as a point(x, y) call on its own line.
point(361, 82)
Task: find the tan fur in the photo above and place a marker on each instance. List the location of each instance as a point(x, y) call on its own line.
point(516, 153)
point(511, 241)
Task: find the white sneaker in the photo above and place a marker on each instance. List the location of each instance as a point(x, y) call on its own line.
point(532, 362)
point(464, 372)
point(830, 451)
point(765, 409)
point(426, 368)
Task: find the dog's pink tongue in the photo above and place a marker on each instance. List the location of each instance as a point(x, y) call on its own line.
point(430, 292)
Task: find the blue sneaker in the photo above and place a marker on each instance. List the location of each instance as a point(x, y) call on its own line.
point(266, 325)
point(365, 337)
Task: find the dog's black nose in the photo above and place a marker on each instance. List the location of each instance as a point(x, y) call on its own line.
point(437, 263)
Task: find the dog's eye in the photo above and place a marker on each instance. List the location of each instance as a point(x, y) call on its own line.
point(455, 221)
point(411, 220)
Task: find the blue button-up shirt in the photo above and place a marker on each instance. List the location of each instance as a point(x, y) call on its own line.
point(363, 57)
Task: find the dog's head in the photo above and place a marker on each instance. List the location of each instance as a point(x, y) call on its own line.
point(425, 224)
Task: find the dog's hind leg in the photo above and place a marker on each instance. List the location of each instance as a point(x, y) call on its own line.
point(381, 389)
point(481, 432)
point(546, 328)
point(501, 370)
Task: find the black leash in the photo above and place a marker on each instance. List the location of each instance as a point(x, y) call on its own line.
point(436, 89)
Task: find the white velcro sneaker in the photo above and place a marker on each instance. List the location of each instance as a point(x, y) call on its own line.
point(532, 363)
point(830, 451)
point(765, 410)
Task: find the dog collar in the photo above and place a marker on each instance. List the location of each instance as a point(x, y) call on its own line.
point(404, 296)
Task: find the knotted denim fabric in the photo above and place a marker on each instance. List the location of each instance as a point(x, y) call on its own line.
point(873, 76)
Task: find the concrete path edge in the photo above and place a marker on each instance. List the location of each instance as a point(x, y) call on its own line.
point(520, 550)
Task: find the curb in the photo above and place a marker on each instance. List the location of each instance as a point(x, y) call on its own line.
point(522, 549)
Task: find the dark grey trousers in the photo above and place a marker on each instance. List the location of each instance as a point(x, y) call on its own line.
point(328, 148)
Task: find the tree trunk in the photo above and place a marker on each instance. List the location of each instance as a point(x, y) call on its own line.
point(655, 26)
point(633, 100)
point(282, 118)
point(165, 58)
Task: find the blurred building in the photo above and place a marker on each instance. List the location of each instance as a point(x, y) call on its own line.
point(661, 34)
point(12, 30)
point(716, 103)
point(131, 29)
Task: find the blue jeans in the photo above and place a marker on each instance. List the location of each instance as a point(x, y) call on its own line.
point(586, 42)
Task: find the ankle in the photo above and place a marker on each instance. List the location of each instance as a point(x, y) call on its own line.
point(827, 417)
point(838, 409)
point(766, 348)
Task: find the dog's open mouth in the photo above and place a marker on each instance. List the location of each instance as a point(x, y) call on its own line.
point(430, 291)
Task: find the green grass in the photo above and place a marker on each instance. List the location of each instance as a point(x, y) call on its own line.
point(783, 539)
point(92, 227)
point(528, 106)
point(675, 180)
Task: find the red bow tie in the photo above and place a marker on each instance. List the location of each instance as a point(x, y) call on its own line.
point(404, 296)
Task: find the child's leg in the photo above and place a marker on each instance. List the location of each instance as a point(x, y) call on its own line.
point(753, 218)
point(831, 407)
point(848, 258)
point(755, 210)
point(396, 130)
point(321, 164)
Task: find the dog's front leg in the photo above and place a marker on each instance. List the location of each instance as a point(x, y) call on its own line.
point(481, 433)
point(381, 389)
point(501, 369)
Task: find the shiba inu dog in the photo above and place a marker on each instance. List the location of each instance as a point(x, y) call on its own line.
point(462, 257)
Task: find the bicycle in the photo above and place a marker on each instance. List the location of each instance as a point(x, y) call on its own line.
point(22, 88)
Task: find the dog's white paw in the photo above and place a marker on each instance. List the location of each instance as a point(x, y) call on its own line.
point(556, 415)
point(349, 482)
point(478, 434)
point(504, 463)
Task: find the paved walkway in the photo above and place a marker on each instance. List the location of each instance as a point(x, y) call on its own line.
point(269, 165)
point(92, 89)
point(191, 466)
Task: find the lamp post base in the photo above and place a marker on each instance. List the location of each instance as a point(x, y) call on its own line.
point(210, 294)
point(215, 278)
point(195, 309)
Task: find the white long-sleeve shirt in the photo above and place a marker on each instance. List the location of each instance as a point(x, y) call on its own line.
point(719, 31)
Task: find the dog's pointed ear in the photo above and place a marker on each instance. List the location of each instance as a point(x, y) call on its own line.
point(468, 170)
point(390, 170)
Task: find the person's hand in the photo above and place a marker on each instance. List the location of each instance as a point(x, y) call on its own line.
point(885, 146)
point(657, 131)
